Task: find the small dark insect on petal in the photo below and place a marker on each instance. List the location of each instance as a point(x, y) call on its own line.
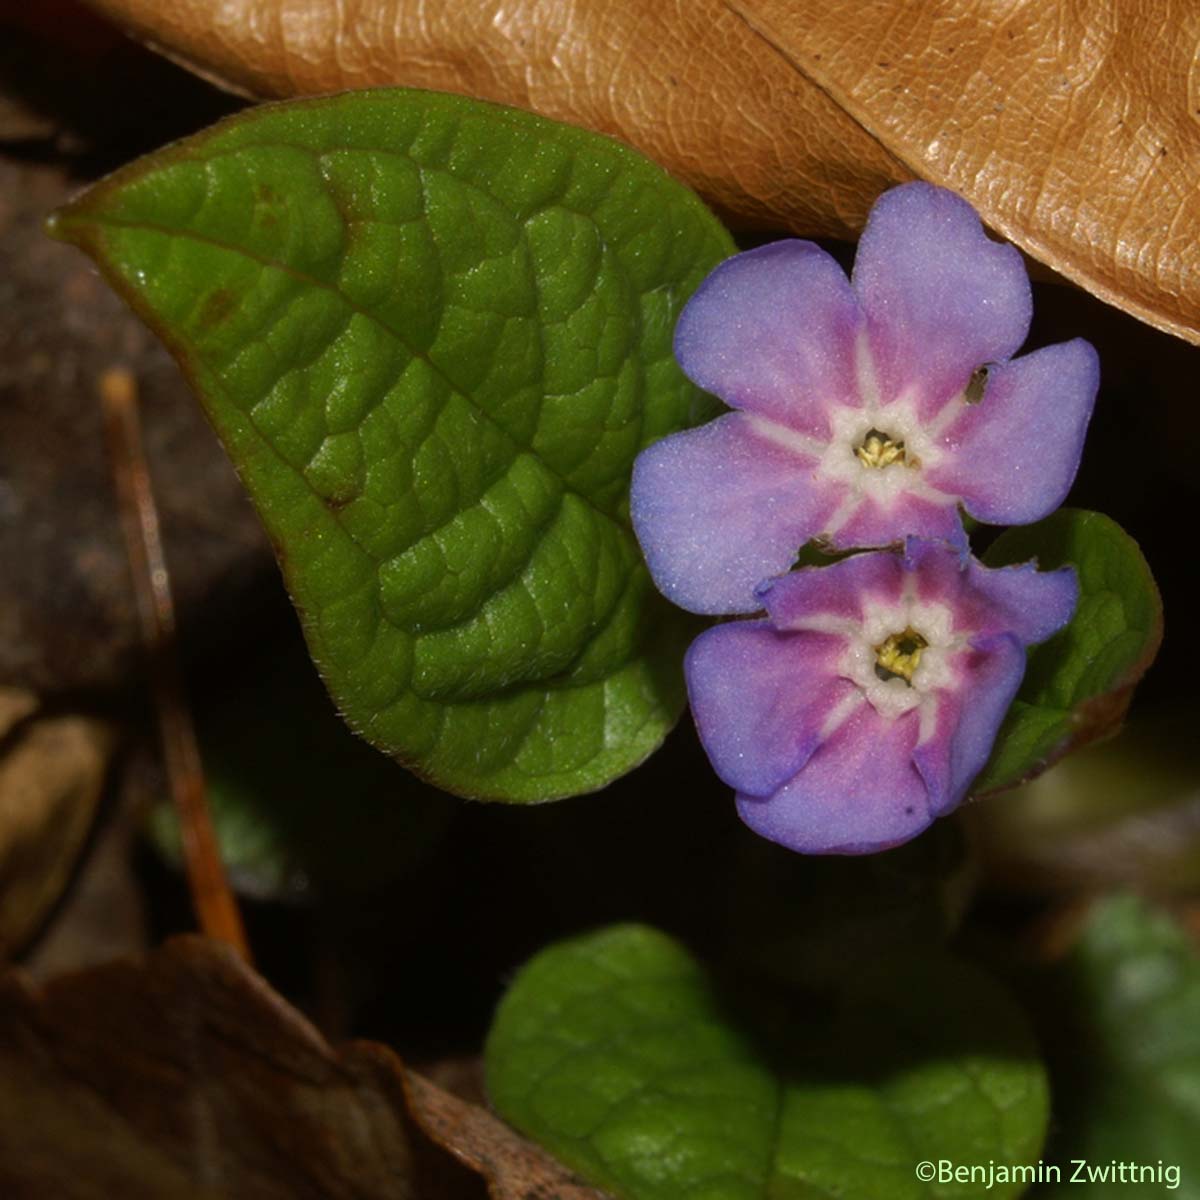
point(974, 390)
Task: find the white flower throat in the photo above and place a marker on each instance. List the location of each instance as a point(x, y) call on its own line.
point(902, 655)
point(877, 455)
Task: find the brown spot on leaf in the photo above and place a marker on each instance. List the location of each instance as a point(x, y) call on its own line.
point(215, 309)
point(267, 204)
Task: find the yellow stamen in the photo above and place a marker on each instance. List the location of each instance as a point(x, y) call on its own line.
point(879, 450)
point(899, 656)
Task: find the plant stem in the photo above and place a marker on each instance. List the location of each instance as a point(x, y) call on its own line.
point(213, 901)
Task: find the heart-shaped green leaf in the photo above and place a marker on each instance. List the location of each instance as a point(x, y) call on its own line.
point(619, 1054)
point(433, 334)
point(1077, 685)
point(1123, 1023)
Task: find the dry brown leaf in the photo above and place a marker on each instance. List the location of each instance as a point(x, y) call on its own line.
point(107, 911)
point(67, 621)
point(514, 1168)
point(1073, 127)
point(188, 1077)
point(15, 705)
point(686, 81)
point(1070, 126)
point(51, 776)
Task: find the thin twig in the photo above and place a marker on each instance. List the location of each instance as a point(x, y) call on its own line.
point(212, 899)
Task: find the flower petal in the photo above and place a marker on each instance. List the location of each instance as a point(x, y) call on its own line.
point(941, 297)
point(1031, 604)
point(773, 331)
point(763, 700)
point(721, 508)
point(859, 792)
point(821, 597)
point(1013, 456)
point(986, 601)
point(967, 720)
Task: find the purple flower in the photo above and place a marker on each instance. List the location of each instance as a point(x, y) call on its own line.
point(868, 699)
point(867, 410)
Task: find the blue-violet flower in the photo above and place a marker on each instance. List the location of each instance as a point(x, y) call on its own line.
point(867, 410)
point(867, 700)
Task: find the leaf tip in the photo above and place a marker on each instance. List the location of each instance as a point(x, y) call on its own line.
point(68, 223)
point(53, 225)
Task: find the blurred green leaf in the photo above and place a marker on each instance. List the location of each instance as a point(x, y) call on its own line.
point(433, 334)
point(1078, 684)
point(1123, 1027)
point(279, 764)
point(619, 1054)
point(1124, 813)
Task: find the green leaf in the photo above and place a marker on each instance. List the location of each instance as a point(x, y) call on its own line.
point(1118, 814)
point(620, 1055)
point(1078, 685)
point(1124, 1029)
point(433, 334)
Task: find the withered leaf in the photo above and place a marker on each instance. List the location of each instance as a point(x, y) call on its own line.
point(51, 775)
point(685, 81)
point(1072, 128)
point(15, 705)
point(188, 1077)
point(67, 618)
point(514, 1168)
